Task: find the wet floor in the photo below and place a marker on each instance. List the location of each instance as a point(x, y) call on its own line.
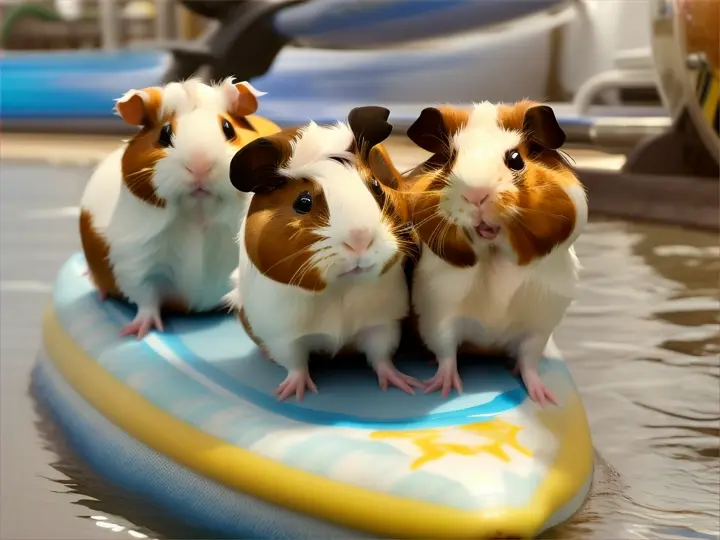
point(641, 340)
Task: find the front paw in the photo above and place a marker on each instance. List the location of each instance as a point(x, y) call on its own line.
point(295, 383)
point(536, 389)
point(446, 378)
point(389, 375)
point(145, 320)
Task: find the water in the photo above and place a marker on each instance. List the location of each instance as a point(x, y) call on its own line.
point(641, 340)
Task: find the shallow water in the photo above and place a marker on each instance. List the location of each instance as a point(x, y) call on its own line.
point(641, 340)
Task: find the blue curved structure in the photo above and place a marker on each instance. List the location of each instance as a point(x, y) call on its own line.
point(383, 23)
point(347, 55)
point(74, 86)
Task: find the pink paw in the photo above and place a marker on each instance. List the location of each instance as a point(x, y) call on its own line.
point(389, 375)
point(295, 383)
point(446, 377)
point(102, 295)
point(537, 390)
point(142, 324)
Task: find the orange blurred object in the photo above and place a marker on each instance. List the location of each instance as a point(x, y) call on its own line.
point(701, 19)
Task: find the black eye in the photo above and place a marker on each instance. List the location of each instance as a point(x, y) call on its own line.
point(303, 203)
point(228, 130)
point(376, 188)
point(514, 160)
point(165, 138)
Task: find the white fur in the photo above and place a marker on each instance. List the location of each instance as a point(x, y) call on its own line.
point(350, 203)
point(186, 249)
point(292, 322)
point(495, 302)
point(365, 310)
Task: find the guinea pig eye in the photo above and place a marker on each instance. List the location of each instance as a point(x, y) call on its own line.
point(165, 138)
point(376, 187)
point(303, 203)
point(228, 130)
point(514, 160)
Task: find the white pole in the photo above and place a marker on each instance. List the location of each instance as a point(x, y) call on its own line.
point(163, 20)
point(110, 22)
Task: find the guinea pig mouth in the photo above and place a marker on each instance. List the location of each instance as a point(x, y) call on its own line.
point(487, 231)
point(357, 271)
point(199, 193)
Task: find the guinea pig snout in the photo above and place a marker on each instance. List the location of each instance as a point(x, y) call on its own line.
point(199, 166)
point(478, 197)
point(359, 241)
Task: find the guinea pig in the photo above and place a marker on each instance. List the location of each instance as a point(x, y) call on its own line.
point(322, 247)
point(159, 215)
point(497, 208)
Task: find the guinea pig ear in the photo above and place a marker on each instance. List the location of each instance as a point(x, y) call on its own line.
point(241, 97)
point(429, 132)
point(383, 168)
point(542, 127)
point(140, 107)
point(254, 168)
point(370, 127)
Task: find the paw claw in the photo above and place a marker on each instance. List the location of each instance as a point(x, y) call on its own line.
point(389, 375)
point(295, 383)
point(537, 390)
point(142, 324)
point(446, 379)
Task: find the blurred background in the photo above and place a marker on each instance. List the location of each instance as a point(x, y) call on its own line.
point(634, 84)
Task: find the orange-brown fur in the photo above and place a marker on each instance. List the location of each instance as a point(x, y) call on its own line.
point(276, 238)
point(97, 252)
point(544, 214)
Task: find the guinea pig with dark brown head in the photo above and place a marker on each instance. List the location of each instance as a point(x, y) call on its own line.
point(322, 246)
point(497, 208)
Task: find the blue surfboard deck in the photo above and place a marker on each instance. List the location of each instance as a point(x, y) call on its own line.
point(487, 450)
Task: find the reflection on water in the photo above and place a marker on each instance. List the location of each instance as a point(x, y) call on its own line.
point(642, 342)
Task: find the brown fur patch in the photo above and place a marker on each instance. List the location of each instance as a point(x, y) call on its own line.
point(277, 238)
point(271, 216)
point(444, 239)
point(541, 215)
point(249, 331)
point(97, 254)
point(138, 161)
point(433, 131)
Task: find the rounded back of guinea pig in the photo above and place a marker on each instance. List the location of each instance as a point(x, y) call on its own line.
point(324, 209)
point(189, 133)
point(495, 178)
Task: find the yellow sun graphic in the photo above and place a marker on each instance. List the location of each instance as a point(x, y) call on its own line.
point(432, 447)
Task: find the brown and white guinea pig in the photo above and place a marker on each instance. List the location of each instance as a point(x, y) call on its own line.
point(497, 209)
point(322, 247)
point(159, 216)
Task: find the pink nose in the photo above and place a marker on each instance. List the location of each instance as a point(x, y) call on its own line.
point(359, 240)
point(199, 167)
point(477, 196)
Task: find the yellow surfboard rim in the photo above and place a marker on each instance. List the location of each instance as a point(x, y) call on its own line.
point(345, 505)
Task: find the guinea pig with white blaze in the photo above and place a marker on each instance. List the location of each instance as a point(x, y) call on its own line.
point(159, 216)
point(322, 247)
point(497, 208)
